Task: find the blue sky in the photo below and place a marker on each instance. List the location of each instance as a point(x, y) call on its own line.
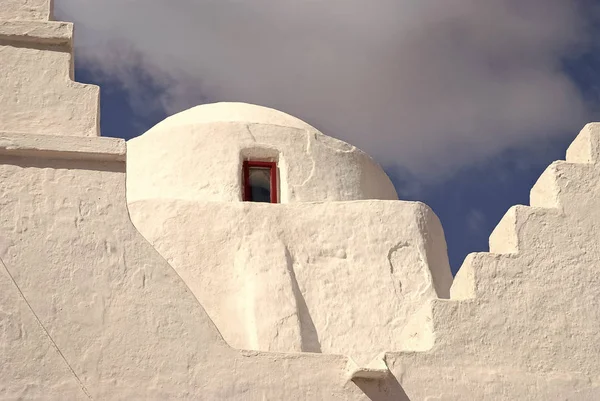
point(466, 131)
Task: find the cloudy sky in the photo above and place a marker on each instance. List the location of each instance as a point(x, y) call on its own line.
point(464, 102)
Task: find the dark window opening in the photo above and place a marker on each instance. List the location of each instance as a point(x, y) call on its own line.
point(260, 181)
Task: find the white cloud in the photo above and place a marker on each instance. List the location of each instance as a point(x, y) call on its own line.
point(429, 85)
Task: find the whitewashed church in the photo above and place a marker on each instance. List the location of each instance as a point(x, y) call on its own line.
point(234, 252)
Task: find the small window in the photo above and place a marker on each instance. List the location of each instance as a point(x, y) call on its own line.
point(260, 181)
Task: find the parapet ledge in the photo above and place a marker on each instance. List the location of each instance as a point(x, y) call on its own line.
point(37, 32)
point(377, 369)
point(586, 146)
point(62, 147)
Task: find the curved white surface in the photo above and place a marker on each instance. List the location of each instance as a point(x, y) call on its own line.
point(195, 155)
point(233, 112)
point(332, 277)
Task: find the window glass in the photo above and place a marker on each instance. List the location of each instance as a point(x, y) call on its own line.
point(259, 181)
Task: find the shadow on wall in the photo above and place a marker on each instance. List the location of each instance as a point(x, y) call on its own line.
point(308, 331)
point(382, 390)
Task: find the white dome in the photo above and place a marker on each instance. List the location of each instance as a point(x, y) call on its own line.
point(199, 154)
point(234, 112)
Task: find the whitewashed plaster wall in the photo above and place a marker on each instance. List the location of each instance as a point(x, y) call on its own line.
point(332, 277)
point(31, 10)
point(23, 345)
point(198, 154)
point(524, 320)
point(37, 94)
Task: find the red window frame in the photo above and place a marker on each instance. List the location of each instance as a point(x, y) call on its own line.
point(272, 166)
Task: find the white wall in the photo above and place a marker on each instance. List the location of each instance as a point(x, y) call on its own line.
point(333, 277)
point(523, 321)
point(37, 94)
point(26, 10)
